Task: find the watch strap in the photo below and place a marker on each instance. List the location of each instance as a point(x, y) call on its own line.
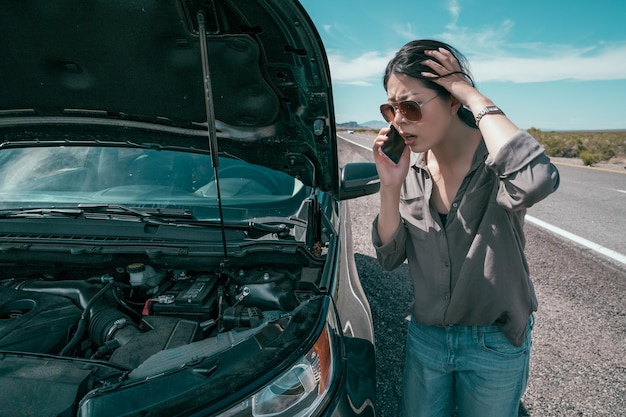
point(487, 110)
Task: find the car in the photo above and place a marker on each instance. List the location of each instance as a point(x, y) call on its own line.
point(174, 225)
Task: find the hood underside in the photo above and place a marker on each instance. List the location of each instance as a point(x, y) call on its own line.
point(99, 66)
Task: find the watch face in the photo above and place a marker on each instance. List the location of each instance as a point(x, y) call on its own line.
point(488, 110)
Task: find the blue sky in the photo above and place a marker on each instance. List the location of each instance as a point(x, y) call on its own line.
point(549, 64)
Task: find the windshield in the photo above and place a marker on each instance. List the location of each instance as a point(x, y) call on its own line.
point(64, 176)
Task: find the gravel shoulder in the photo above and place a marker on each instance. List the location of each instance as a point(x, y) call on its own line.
point(578, 364)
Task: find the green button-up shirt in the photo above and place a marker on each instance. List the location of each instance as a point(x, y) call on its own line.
point(472, 270)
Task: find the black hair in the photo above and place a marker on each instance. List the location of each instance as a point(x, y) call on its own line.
point(409, 61)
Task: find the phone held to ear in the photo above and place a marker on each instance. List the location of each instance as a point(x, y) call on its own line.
point(394, 145)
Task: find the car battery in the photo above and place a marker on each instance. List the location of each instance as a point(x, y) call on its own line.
point(194, 297)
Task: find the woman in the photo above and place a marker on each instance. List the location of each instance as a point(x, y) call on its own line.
point(453, 207)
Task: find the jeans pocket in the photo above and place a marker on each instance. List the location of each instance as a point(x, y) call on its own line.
point(497, 342)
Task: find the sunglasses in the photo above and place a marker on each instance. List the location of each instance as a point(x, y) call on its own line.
point(411, 110)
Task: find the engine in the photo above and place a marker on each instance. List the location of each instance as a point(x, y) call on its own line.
point(127, 316)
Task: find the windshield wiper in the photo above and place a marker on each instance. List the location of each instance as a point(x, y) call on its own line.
point(288, 228)
point(158, 215)
point(41, 212)
point(282, 227)
point(276, 224)
point(262, 224)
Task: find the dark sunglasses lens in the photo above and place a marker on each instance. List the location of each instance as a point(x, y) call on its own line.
point(411, 110)
point(387, 111)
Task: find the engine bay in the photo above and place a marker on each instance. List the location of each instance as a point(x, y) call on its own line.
point(128, 315)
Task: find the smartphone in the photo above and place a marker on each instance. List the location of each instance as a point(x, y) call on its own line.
point(394, 145)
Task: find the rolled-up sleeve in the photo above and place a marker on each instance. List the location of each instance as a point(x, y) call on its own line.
point(525, 172)
point(393, 253)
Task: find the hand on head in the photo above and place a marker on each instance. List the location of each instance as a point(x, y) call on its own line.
point(447, 72)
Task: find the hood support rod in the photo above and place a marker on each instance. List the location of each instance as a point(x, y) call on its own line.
point(210, 117)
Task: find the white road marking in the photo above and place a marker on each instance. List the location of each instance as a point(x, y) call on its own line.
point(582, 241)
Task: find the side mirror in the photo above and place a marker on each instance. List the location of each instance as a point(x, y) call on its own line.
point(358, 179)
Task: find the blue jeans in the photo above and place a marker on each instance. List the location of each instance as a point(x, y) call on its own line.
point(473, 368)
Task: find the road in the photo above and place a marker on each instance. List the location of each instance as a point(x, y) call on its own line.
point(578, 366)
point(589, 207)
point(591, 204)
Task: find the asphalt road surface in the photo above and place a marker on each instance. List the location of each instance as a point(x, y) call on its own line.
point(578, 362)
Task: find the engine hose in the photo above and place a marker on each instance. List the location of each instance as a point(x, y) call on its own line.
point(84, 318)
point(111, 324)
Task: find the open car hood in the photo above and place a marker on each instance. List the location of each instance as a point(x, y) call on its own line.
point(132, 71)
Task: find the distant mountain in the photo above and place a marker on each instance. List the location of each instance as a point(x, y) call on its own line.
point(372, 124)
point(348, 125)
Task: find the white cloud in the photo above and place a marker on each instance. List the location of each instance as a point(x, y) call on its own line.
point(492, 59)
point(455, 10)
point(489, 40)
point(405, 31)
point(607, 63)
point(590, 64)
point(365, 70)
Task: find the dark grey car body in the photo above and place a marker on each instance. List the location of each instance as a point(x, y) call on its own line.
point(174, 236)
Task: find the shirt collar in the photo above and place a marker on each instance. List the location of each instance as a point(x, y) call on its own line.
point(418, 160)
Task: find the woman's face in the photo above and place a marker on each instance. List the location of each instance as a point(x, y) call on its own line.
point(431, 129)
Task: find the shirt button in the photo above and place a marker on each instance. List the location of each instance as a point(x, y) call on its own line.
point(446, 297)
point(455, 205)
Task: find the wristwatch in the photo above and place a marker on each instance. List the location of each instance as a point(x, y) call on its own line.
point(487, 110)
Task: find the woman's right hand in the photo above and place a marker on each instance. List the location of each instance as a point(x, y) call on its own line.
point(390, 174)
point(391, 179)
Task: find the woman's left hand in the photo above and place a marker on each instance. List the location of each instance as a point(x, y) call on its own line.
point(447, 72)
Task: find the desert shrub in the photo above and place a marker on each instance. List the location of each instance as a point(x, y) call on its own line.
point(590, 158)
point(559, 146)
point(590, 146)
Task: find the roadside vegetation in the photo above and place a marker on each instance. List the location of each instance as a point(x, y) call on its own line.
point(591, 147)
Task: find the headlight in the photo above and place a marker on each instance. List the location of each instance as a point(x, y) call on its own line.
point(298, 392)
